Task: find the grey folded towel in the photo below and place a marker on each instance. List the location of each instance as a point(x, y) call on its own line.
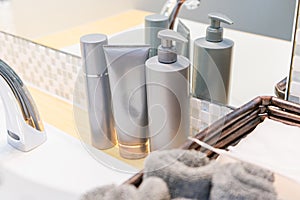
point(236, 181)
point(110, 192)
point(98, 193)
point(151, 189)
point(188, 174)
point(122, 192)
point(154, 188)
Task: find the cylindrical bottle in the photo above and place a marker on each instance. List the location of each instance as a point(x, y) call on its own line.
point(212, 62)
point(101, 120)
point(168, 95)
point(153, 24)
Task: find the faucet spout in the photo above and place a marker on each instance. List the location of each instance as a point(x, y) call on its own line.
point(25, 130)
point(172, 7)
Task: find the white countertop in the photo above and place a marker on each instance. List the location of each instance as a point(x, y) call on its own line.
point(63, 168)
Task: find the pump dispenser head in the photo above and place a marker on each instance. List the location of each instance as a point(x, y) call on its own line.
point(166, 51)
point(214, 33)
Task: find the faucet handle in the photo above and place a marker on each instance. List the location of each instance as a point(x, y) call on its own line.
point(172, 7)
point(192, 4)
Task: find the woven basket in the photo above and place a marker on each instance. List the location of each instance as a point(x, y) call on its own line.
point(230, 129)
point(280, 88)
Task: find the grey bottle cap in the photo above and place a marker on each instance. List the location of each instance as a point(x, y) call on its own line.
point(153, 24)
point(214, 33)
point(94, 62)
point(167, 51)
point(156, 20)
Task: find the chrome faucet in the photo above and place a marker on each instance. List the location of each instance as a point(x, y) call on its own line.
point(172, 7)
point(25, 130)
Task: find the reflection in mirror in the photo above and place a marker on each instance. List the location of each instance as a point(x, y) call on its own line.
point(262, 32)
point(293, 91)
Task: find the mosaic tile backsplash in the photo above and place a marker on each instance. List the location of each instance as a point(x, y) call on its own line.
point(39, 66)
point(59, 74)
point(204, 113)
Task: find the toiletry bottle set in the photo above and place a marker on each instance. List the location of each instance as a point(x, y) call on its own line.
point(128, 94)
point(142, 100)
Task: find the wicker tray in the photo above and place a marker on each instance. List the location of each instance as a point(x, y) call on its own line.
point(280, 88)
point(230, 129)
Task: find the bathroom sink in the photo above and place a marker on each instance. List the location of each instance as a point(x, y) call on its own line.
point(62, 168)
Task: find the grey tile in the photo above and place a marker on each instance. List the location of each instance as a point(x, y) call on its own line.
point(294, 99)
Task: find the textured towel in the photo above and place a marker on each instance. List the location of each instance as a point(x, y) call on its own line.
point(236, 181)
point(98, 193)
point(151, 189)
point(154, 188)
point(123, 192)
point(188, 174)
point(111, 192)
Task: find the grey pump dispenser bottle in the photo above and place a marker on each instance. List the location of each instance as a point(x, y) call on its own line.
point(168, 97)
point(212, 62)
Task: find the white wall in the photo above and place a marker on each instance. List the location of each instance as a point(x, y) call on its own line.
point(34, 18)
point(267, 17)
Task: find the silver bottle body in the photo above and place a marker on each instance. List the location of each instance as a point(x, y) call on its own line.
point(101, 120)
point(126, 68)
point(168, 99)
point(211, 70)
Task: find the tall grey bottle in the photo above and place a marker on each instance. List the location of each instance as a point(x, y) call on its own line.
point(168, 97)
point(153, 24)
point(101, 119)
point(212, 62)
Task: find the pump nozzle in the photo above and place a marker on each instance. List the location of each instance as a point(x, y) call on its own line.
point(214, 33)
point(167, 51)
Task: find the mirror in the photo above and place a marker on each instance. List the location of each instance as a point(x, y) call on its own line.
point(293, 87)
point(262, 31)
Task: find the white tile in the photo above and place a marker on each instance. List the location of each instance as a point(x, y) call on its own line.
point(294, 99)
point(225, 110)
point(296, 62)
point(297, 36)
point(195, 123)
point(204, 117)
point(214, 109)
point(203, 126)
point(295, 89)
point(195, 102)
point(213, 118)
point(195, 112)
point(204, 106)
